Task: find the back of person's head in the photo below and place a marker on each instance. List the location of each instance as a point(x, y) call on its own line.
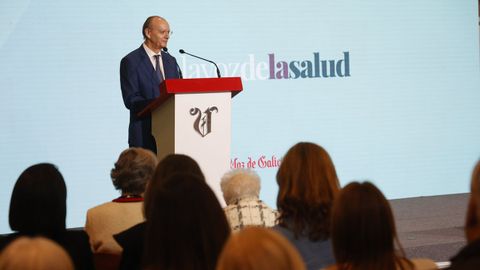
point(308, 184)
point(171, 164)
point(175, 163)
point(472, 226)
point(38, 202)
point(363, 230)
point(256, 248)
point(240, 183)
point(36, 253)
point(186, 226)
point(134, 167)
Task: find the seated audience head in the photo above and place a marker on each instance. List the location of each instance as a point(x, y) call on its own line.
point(36, 253)
point(256, 248)
point(240, 183)
point(133, 169)
point(186, 226)
point(177, 163)
point(38, 202)
point(472, 226)
point(172, 164)
point(308, 184)
point(363, 230)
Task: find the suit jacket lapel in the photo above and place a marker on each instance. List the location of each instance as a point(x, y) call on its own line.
point(147, 67)
point(166, 66)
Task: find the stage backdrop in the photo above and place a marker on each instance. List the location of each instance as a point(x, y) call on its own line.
point(390, 89)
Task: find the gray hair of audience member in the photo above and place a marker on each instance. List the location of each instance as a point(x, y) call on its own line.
point(35, 253)
point(134, 167)
point(240, 183)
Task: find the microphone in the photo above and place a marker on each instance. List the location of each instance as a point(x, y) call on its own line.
point(178, 67)
point(184, 52)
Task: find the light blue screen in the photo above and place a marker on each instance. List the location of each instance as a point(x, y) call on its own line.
point(390, 89)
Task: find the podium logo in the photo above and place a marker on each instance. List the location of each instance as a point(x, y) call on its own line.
point(203, 122)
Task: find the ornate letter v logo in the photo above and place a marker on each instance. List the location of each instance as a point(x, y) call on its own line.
point(203, 122)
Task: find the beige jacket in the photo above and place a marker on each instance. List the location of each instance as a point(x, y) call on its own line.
point(110, 218)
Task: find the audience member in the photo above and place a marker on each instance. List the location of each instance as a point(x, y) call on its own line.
point(469, 257)
point(308, 184)
point(256, 248)
point(38, 208)
point(132, 240)
point(134, 167)
point(186, 226)
point(36, 253)
point(241, 191)
point(363, 232)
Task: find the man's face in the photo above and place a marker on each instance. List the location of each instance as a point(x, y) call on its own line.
point(157, 34)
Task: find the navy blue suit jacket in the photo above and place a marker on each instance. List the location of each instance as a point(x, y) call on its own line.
point(140, 86)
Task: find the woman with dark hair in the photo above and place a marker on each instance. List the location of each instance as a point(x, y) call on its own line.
point(175, 163)
point(363, 232)
point(469, 256)
point(38, 208)
point(133, 169)
point(132, 239)
point(186, 226)
point(308, 184)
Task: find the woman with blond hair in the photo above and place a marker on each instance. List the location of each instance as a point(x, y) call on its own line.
point(363, 232)
point(257, 248)
point(308, 184)
point(36, 253)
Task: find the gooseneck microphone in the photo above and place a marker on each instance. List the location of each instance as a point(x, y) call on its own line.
point(178, 67)
point(184, 52)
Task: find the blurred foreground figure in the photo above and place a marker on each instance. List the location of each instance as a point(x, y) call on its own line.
point(36, 253)
point(469, 257)
point(256, 248)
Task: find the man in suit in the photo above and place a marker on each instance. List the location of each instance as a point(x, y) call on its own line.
point(141, 73)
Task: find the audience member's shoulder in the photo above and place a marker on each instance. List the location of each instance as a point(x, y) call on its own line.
point(101, 207)
point(231, 207)
point(6, 239)
point(76, 234)
point(424, 264)
point(76, 243)
point(132, 234)
point(468, 257)
point(73, 238)
point(283, 231)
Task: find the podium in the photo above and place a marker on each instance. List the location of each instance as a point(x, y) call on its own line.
point(193, 117)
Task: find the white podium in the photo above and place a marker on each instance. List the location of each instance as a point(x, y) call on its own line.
point(193, 117)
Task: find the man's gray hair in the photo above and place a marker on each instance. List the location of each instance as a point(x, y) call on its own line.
point(240, 183)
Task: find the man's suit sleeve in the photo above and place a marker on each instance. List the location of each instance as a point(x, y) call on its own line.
point(129, 83)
